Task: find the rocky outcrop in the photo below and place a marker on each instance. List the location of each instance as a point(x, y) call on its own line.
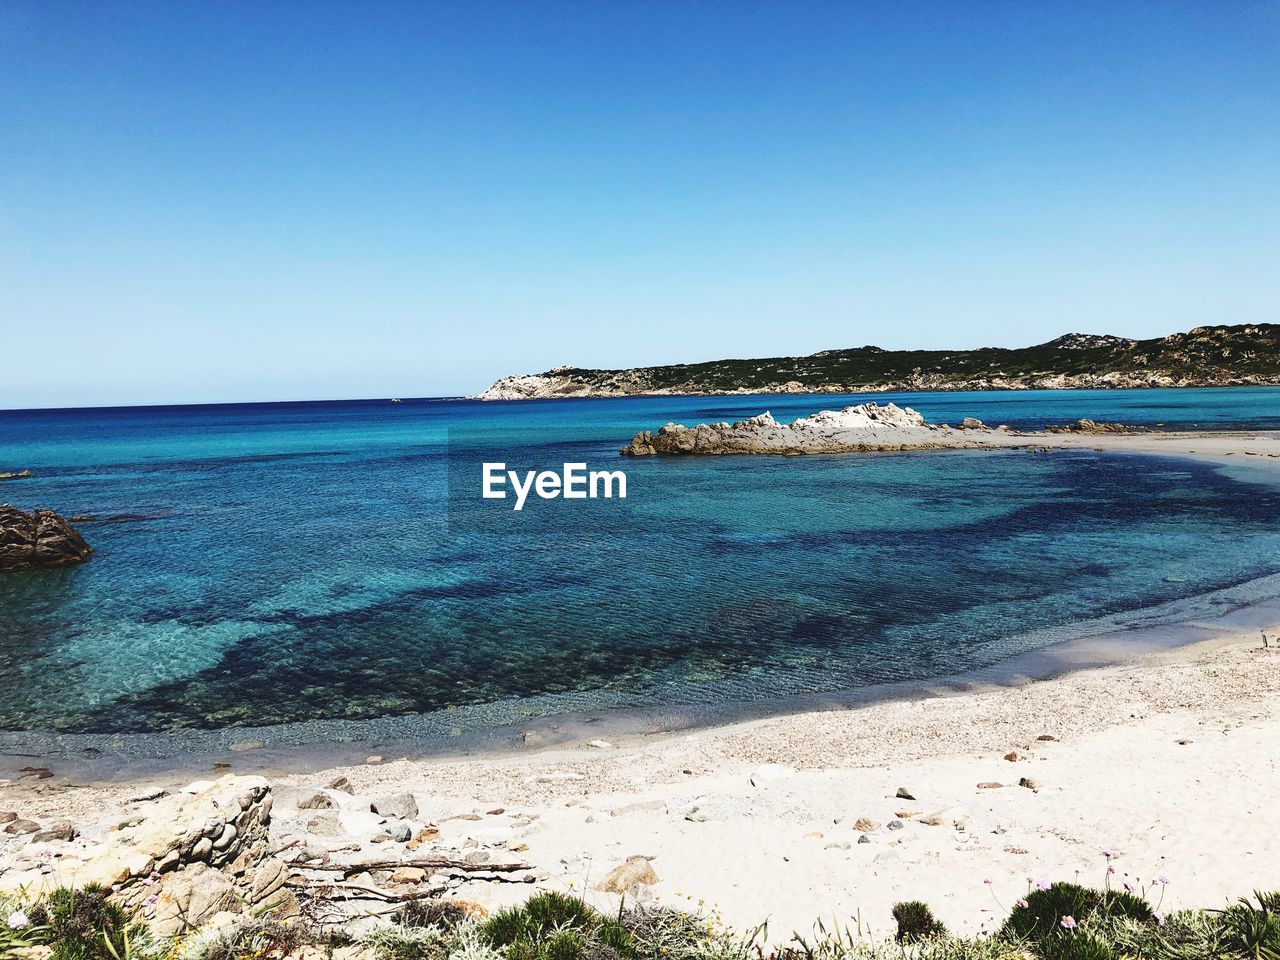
point(18, 475)
point(1084, 425)
point(182, 859)
point(865, 427)
point(40, 538)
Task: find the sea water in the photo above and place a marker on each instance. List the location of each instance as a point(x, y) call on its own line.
point(326, 563)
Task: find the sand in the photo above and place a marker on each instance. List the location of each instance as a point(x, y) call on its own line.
point(1168, 761)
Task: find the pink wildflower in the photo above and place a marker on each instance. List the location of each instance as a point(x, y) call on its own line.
point(1068, 923)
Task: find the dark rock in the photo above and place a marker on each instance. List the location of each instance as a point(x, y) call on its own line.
point(903, 794)
point(343, 784)
point(400, 832)
point(1046, 737)
point(895, 824)
point(16, 827)
point(40, 538)
point(1028, 783)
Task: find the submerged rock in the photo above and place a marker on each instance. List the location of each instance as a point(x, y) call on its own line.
point(41, 538)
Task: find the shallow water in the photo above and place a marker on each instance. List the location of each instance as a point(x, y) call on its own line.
point(332, 561)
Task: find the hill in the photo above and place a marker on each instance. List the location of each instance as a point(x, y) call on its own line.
point(1205, 356)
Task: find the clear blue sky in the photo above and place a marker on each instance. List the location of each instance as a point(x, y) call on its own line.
point(248, 200)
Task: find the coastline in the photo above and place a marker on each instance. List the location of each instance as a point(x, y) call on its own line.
point(1164, 760)
point(565, 720)
point(1163, 726)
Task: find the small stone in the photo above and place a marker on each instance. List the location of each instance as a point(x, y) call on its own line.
point(382, 837)
point(906, 814)
point(408, 875)
point(893, 825)
point(602, 744)
point(1183, 743)
point(865, 825)
point(246, 745)
point(695, 815)
point(7, 816)
point(1046, 738)
point(400, 832)
point(54, 832)
point(19, 827)
point(316, 801)
point(865, 839)
point(838, 845)
point(990, 785)
point(221, 766)
point(40, 773)
point(1028, 783)
point(1011, 756)
point(376, 758)
point(343, 785)
point(202, 849)
point(496, 811)
point(635, 872)
point(770, 772)
point(904, 794)
point(225, 837)
point(424, 835)
point(402, 806)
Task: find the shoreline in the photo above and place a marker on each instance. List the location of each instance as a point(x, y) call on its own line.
point(145, 759)
point(1163, 760)
point(501, 729)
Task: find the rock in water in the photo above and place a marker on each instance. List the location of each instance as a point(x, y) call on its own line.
point(40, 538)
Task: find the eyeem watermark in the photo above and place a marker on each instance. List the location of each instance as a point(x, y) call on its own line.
point(573, 482)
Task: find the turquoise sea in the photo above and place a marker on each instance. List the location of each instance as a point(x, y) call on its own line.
point(321, 565)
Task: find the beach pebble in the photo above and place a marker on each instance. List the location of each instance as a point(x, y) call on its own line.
point(1047, 738)
point(400, 832)
point(17, 827)
point(7, 816)
point(696, 816)
point(376, 758)
point(62, 830)
point(602, 744)
point(865, 825)
point(343, 785)
point(407, 875)
point(1011, 756)
point(635, 872)
point(904, 794)
point(1028, 783)
point(990, 785)
point(864, 839)
point(894, 825)
point(770, 772)
point(402, 806)
point(315, 800)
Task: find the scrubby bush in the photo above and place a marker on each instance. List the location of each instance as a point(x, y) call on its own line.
point(1042, 912)
point(556, 926)
point(1253, 930)
point(916, 922)
point(85, 925)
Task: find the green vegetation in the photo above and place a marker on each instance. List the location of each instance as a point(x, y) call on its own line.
point(1203, 355)
point(916, 922)
point(1061, 921)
